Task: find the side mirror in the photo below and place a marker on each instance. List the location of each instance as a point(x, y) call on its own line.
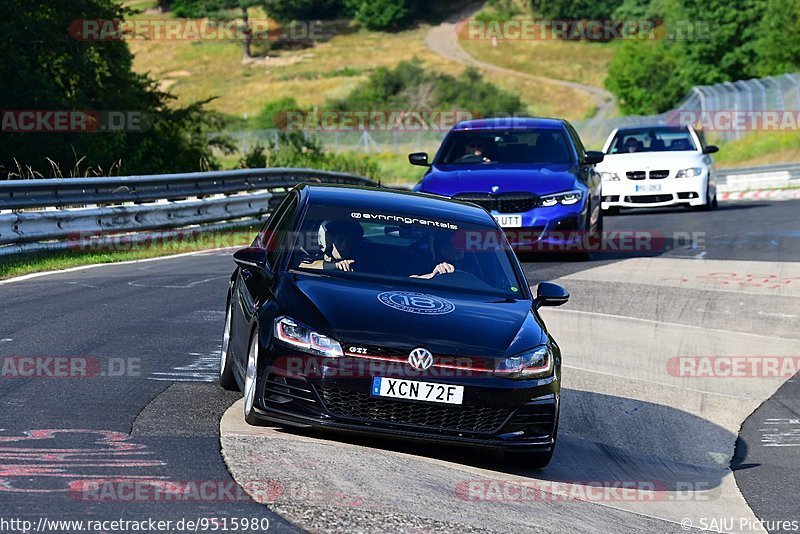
point(710, 149)
point(419, 158)
point(252, 258)
point(593, 157)
point(550, 294)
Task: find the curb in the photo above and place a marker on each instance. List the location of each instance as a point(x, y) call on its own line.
point(760, 194)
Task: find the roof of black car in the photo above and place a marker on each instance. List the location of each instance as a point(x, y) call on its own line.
point(387, 201)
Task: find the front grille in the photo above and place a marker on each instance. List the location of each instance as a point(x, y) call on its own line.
point(659, 175)
point(461, 418)
point(648, 199)
point(502, 202)
point(635, 175)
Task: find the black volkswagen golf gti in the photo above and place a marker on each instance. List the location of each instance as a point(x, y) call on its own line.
point(398, 314)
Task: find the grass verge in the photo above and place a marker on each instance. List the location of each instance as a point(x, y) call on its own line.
point(11, 266)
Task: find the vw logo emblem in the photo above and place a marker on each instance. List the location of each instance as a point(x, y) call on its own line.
point(495, 188)
point(420, 359)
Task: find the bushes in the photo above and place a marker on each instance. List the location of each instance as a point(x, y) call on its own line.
point(409, 86)
point(293, 150)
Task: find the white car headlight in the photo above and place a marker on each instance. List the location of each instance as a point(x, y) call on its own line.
point(609, 176)
point(567, 199)
point(529, 364)
point(295, 335)
point(689, 173)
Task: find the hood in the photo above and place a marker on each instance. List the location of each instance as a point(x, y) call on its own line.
point(651, 161)
point(540, 179)
point(350, 310)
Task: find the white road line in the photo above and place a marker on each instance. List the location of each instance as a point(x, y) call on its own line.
point(24, 277)
point(721, 330)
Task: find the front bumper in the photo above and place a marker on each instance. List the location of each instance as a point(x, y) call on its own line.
point(496, 412)
point(655, 193)
point(553, 228)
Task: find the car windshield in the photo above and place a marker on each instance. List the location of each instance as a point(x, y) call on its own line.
point(513, 146)
point(652, 140)
point(388, 248)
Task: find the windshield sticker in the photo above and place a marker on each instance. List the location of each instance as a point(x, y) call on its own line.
point(418, 303)
point(402, 219)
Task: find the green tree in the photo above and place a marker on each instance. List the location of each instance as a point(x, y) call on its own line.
point(646, 78)
point(777, 45)
point(45, 68)
point(219, 9)
point(305, 9)
point(379, 15)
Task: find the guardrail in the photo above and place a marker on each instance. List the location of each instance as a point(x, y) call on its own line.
point(56, 214)
point(764, 177)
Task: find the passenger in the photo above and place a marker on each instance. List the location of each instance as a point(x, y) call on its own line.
point(444, 256)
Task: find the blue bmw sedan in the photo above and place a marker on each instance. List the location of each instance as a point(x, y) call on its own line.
point(532, 174)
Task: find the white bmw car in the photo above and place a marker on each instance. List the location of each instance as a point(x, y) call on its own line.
point(647, 166)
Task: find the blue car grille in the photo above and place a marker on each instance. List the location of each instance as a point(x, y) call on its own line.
point(502, 202)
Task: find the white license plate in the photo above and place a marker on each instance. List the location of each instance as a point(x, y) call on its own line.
point(412, 389)
point(647, 188)
point(509, 221)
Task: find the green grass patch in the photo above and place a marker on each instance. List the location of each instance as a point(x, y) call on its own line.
point(11, 266)
point(760, 148)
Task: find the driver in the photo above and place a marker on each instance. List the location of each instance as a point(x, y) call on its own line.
point(631, 145)
point(474, 148)
point(343, 244)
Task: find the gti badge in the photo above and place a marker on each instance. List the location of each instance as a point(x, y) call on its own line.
point(495, 188)
point(420, 359)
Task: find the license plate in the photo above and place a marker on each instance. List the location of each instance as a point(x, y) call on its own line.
point(647, 188)
point(414, 390)
point(509, 221)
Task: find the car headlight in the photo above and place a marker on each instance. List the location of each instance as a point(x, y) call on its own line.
point(294, 334)
point(529, 364)
point(567, 199)
point(689, 173)
point(609, 176)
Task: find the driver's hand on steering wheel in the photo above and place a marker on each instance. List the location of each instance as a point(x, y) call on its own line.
point(345, 265)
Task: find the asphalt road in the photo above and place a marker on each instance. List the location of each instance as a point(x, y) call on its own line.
point(149, 333)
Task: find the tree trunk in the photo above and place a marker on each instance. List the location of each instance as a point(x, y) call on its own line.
point(164, 5)
point(247, 38)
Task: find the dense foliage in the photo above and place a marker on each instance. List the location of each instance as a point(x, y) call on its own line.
point(292, 149)
point(44, 68)
point(409, 86)
point(704, 42)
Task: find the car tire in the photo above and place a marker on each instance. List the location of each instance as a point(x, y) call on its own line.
point(226, 378)
point(711, 203)
point(250, 388)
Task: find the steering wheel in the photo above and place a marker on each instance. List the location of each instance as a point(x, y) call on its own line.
point(469, 158)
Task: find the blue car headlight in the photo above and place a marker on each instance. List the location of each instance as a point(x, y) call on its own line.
point(533, 363)
point(294, 334)
point(567, 199)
